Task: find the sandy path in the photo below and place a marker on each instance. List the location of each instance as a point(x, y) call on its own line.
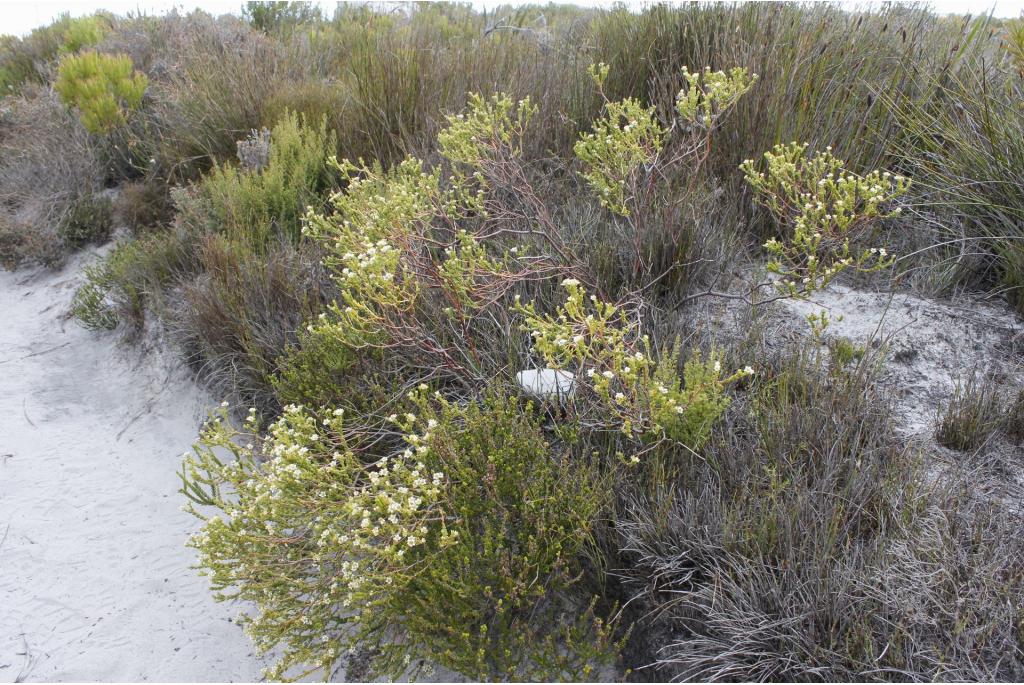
point(95, 581)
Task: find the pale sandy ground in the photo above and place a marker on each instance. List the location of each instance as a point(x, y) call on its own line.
point(95, 581)
point(931, 344)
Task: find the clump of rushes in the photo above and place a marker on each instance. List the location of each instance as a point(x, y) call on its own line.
point(825, 210)
point(460, 549)
point(971, 417)
point(103, 88)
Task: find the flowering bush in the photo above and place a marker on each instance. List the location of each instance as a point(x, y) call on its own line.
point(448, 526)
point(413, 272)
point(643, 398)
point(103, 88)
point(828, 210)
point(621, 153)
point(709, 95)
point(450, 550)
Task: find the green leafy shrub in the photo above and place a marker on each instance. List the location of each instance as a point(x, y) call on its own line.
point(103, 88)
point(131, 278)
point(84, 32)
point(252, 207)
point(827, 209)
point(278, 17)
point(314, 101)
point(455, 550)
point(90, 305)
point(88, 220)
point(315, 372)
point(843, 351)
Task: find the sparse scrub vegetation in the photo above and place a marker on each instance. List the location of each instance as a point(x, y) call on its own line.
point(971, 416)
point(367, 227)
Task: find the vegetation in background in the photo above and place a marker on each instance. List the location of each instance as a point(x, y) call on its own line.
point(26, 60)
point(103, 88)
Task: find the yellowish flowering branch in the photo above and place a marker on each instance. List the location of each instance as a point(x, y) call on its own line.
point(612, 360)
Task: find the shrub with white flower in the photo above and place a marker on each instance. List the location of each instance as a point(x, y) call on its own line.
point(829, 211)
point(392, 266)
point(644, 399)
point(626, 145)
point(460, 549)
point(490, 129)
point(709, 95)
point(316, 539)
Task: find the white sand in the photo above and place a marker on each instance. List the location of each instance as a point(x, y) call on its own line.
point(95, 580)
point(932, 343)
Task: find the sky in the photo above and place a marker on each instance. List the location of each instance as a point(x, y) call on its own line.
point(19, 18)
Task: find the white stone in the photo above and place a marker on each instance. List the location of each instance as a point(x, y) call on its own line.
point(547, 384)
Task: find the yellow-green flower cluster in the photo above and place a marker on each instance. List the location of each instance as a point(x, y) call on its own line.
point(376, 205)
point(599, 344)
point(382, 240)
point(708, 95)
point(626, 139)
point(827, 209)
point(625, 144)
point(315, 538)
point(470, 137)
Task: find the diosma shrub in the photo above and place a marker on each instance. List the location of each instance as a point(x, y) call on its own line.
point(103, 88)
point(457, 549)
point(643, 398)
point(825, 210)
point(624, 148)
